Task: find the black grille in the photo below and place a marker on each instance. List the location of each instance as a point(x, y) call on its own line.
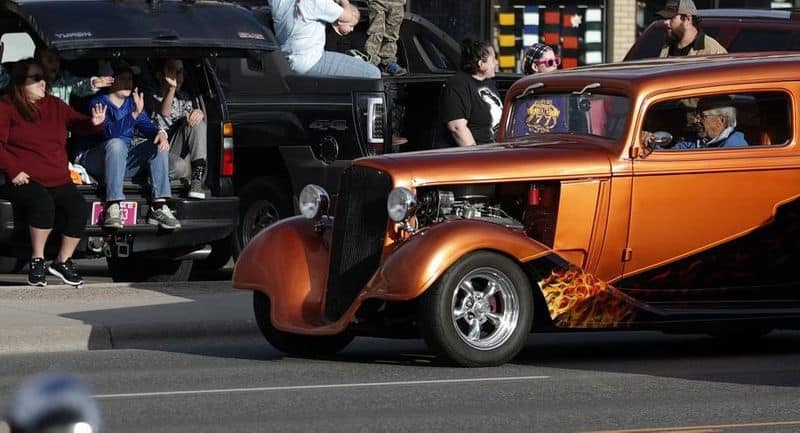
point(359, 231)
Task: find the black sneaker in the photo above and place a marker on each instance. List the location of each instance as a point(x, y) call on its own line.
point(196, 183)
point(162, 217)
point(66, 271)
point(36, 274)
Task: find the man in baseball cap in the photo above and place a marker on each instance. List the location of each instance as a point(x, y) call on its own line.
point(684, 37)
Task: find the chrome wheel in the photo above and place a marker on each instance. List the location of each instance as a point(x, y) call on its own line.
point(485, 308)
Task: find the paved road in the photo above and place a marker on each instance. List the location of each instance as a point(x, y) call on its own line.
point(580, 382)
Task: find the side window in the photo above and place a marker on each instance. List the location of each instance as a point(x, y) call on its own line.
point(765, 40)
point(433, 54)
point(17, 46)
point(728, 121)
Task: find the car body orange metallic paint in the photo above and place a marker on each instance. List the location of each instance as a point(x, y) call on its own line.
point(618, 215)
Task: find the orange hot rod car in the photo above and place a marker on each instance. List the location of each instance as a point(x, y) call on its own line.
point(660, 194)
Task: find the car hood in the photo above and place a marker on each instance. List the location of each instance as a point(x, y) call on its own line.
point(538, 159)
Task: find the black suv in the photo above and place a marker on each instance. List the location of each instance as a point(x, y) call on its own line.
point(201, 33)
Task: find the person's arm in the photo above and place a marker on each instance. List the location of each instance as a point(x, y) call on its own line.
point(146, 126)
point(8, 164)
point(461, 133)
point(323, 10)
point(347, 12)
point(456, 111)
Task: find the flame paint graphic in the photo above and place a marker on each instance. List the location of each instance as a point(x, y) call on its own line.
point(576, 299)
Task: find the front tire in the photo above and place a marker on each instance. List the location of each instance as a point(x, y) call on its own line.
point(296, 344)
point(479, 313)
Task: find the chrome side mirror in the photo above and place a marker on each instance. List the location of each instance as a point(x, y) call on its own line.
point(661, 139)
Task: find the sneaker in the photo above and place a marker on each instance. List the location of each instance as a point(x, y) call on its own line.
point(112, 220)
point(36, 274)
point(66, 271)
point(398, 140)
point(162, 217)
point(394, 69)
point(196, 183)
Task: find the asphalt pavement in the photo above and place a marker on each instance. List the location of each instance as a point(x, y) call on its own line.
point(576, 382)
point(188, 357)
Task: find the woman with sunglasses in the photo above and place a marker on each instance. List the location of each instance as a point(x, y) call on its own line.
point(33, 157)
point(540, 58)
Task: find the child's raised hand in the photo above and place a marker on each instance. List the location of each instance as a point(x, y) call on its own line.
point(98, 114)
point(138, 100)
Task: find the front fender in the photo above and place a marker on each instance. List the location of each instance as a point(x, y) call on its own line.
point(414, 266)
point(284, 262)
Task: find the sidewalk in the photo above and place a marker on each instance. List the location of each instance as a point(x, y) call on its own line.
point(122, 315)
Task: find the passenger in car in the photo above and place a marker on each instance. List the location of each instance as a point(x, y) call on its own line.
point(33, 156)
point(61, 83)
point(540, 58)
point(300, 29)
point(716, 119)
point(114, 157)
point(173, 111)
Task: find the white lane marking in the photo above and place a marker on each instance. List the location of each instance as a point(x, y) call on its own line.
point(329, 386)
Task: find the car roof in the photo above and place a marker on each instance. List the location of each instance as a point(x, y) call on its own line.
point(776, 14)
point(66, 25)
point(634, 77)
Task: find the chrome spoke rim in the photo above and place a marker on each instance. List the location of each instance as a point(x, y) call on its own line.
point(485, 308)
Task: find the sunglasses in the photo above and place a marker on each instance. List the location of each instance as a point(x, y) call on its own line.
point(548, 62)
point(36, 77)
point(703, 115)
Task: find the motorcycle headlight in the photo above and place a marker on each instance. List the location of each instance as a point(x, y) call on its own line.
point(402, 204)
point(314, 201)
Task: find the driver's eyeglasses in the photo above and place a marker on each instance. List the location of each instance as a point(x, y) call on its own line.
point(36, 77)
point(704, 115)
point(549, 62)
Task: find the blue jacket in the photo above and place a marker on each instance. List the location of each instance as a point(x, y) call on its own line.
point(736, 139)
point(119, 122)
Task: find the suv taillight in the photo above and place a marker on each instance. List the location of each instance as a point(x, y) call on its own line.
point(372, 119)
point(227, 149)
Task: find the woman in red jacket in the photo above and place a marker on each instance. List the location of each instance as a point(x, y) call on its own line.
point(33, 157)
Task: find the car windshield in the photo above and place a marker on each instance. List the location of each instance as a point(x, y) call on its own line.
point(592, 114)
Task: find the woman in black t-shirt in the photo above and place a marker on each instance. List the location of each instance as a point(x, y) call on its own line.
point(470, 104)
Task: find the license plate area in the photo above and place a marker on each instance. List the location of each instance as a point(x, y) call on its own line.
point(127, 212)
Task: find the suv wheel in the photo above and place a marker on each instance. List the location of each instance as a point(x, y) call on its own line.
point(479, 313)
point(263, 202)
point(144, 269)
point(296, 344)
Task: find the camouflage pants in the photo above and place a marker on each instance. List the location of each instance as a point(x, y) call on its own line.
point(385, 18)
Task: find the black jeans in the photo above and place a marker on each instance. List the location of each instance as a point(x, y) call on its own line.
point(38, 205)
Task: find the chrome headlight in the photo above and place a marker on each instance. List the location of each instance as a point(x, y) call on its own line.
point(402, 204)
point(314, 201)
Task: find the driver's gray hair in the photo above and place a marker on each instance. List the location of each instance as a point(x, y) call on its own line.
point(729, 112)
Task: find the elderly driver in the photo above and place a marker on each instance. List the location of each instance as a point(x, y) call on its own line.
point(716, 119)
